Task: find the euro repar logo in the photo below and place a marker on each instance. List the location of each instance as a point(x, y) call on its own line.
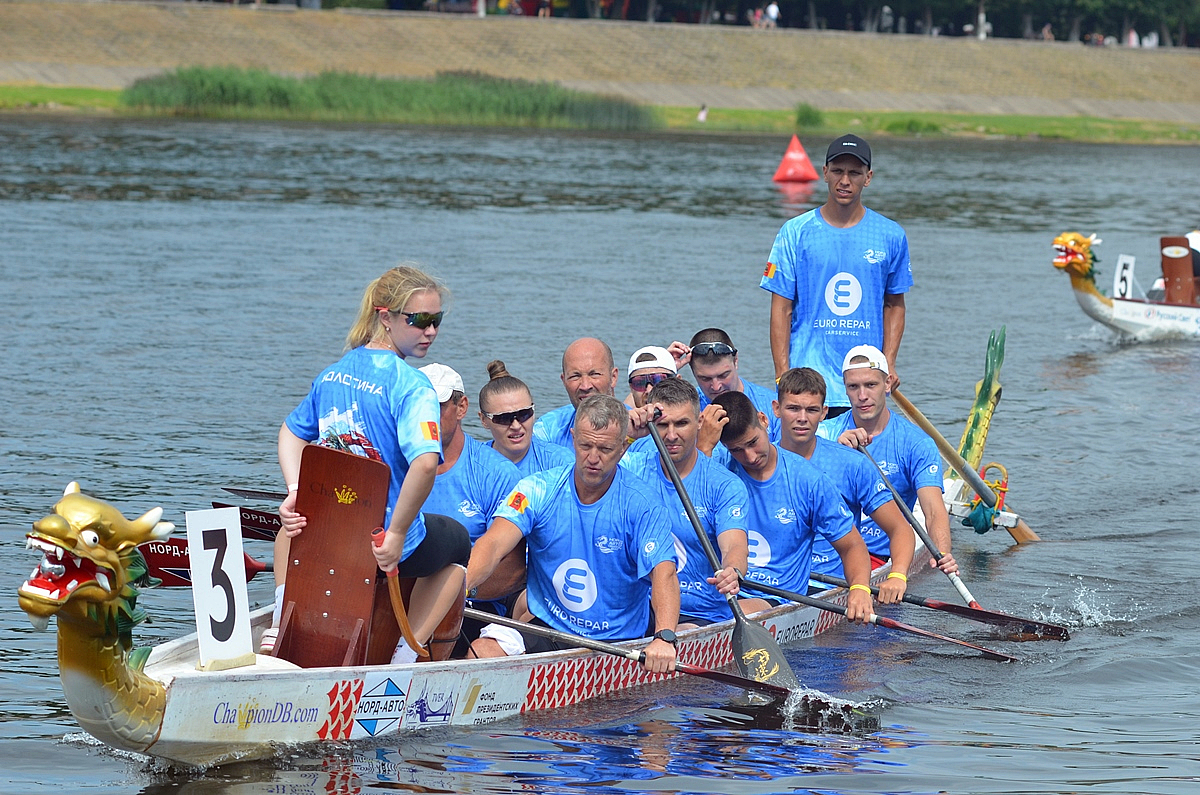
point(843, 294)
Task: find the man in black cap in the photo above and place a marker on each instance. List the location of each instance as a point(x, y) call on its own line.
point(837, 277)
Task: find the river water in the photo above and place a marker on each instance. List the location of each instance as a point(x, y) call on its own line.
point(168, 289)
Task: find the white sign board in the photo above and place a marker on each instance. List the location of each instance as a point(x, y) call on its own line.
point(1123, 277)
point(219, 588)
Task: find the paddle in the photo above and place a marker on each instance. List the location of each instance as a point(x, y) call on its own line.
point(1035, 630)
point(754, 648)
point(959, 585)
point(1022, 533)
point(256, 494)
point(169, 561)
point(878, 620)
point(393, 581)
point(636, 655)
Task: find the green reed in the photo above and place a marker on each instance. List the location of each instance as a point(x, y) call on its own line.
point(451, 98)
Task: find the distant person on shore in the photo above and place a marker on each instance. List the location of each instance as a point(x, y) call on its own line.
point(1047, 32)
point(702, 116)
point(838, 275)
point(771, 15)
point(545, 8)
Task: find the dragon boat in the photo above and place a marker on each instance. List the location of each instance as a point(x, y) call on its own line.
point(1168, 310)
point(159, 702)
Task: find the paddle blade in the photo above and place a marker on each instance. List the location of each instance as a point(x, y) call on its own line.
point(1024, 628)
point(770, 688)
point(759, 657)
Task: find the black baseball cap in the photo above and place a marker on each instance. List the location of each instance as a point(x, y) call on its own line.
point(850, 145)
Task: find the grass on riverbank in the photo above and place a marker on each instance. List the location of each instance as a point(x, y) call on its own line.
point(450, 98)
point(516, 109)
point(907, 124)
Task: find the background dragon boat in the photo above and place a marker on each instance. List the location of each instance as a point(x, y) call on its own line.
point(1168, 310)
point(157, 701)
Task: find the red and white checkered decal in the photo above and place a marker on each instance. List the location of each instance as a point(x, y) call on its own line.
point(343, 698)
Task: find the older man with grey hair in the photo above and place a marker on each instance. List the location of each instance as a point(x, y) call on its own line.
point(601, 556)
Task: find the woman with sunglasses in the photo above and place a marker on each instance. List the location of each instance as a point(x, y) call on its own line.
point(373, 403)
point(506, 409)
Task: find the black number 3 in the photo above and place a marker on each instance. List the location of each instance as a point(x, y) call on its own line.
point(222, 630)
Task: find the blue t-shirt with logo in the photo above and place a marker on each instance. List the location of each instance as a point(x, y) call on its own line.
point(589, 565)
point(555, 427)
point(862, 489)
point(836, 279)
point(762, 398)
point(787, 512)
point(542, 455)
point(907, 456)
point(372, 403)
point(720, 502)
point(473, 488)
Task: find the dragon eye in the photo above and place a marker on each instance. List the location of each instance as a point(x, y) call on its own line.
point(90, 538)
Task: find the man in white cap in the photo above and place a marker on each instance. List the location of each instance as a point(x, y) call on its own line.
point(648, 367)
point(838, 275)
point(906, 454)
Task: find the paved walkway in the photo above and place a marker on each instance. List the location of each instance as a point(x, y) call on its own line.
point(110, 44)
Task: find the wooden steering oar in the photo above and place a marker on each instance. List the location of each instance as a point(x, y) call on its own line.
point(959, 585)
point(755, 650)
point(636, 655)
point(393, 581)
point(1028, 628)
point(1022, 533)
point(878, 620)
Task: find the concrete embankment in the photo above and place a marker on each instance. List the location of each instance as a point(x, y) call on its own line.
point(110, 44)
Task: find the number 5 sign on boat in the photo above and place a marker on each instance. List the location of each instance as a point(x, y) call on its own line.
point(1123, 278)
point(219, 589)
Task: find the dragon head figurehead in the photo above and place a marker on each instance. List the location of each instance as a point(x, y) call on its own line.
point(1075, 256)
point(89, 561)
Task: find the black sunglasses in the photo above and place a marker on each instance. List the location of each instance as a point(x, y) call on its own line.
point(713, 349)
point(505, 418)
point(640, 383)
point(423, 319)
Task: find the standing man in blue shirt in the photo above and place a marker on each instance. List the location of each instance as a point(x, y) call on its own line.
point(838, 275)
point(601, 556)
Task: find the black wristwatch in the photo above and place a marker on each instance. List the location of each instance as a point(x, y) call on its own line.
point(667, 635)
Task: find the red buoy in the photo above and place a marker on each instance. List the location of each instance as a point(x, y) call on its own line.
point(795, 166)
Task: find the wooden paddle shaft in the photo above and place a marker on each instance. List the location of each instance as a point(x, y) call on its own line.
point(1021, 533)
point(393, 581)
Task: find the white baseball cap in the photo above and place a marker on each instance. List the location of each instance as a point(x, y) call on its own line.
point(875, 359)
point(445, 381)
point(662, 358)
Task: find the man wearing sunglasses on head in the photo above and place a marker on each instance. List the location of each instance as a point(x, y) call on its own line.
point(587, 369)
point(714, 363)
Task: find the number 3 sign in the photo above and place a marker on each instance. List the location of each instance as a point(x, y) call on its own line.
point(219, 589)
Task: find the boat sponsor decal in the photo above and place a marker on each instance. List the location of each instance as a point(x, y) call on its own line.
point(339, 719)
point(1175, 252)
point(251, 713)
point(489, 697)
point(843, 294)
point(382, 705)
point(431, 699)
point(805, 628)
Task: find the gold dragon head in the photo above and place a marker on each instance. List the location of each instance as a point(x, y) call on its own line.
point(89, 556)
point(1073, 254)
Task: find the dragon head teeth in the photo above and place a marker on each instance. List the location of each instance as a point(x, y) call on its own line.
point(39, 622)
point(102, 581)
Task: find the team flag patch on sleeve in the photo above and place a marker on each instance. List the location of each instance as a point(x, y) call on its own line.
point(769, 273)
point(430, 431)
point(518, 502)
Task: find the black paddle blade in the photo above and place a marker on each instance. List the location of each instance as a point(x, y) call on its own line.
point(1022, 628)
point(759, 657)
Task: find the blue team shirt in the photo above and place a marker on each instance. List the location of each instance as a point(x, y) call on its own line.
point(555, 427)
point(372, 403)
point(720, 502)
point(907, 456)
point(473, 488)
point(541, 455)
point(589, 565)
point(836, 279)
point(863, 491)
point(762, 399)
point(787, 511)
